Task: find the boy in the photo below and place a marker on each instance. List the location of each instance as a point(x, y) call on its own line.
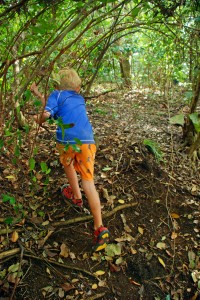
point(68, 105)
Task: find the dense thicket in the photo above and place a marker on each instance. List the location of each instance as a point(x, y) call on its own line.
point(151, 44)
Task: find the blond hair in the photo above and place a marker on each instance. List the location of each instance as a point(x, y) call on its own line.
point(69, 79)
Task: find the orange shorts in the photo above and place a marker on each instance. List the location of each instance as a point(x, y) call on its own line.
point(83, 161)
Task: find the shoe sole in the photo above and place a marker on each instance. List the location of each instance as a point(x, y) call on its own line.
point(104, 236)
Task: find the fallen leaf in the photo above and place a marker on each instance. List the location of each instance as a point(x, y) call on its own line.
point(13, 278)
point(11, 178)
point(119, 261)
point(67, 287)
point(133, 251)
point(102, 283)
point(72, 255)
point(191, 257)
point(114, 268)
point(74, 280)
point(161, 261)
point(169, 253)
point(174, 235)
point(14, 236)
point(194, 188)
point(175, 216)
point(94, 286)
point(45, 223)
point(99, 273)
point(121, 201)
point(64, 250)
point(61, 293)
point(13, 268)
point(161, 245)
point(175, 225)
point(113, 249)
point(134, 282)
point(140, 230)
point(195, 296)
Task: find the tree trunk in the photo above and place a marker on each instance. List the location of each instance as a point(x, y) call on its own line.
point(125, 68)
point(191, 136)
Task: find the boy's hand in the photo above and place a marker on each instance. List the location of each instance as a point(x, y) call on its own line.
point(34, 89)
point(41, 118)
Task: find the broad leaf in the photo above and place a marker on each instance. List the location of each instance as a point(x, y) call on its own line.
point(177, 120)
point(195, 121)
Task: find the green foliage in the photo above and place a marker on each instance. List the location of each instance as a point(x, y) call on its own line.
point(18, 209)
point(32, 164)
point(180, 120)
point(177, 120)
point(154, 148)
point(45, 168)
point(59, 122)
point(38, 37)
point(195, 121)
point(76, 148)
point(78, 142)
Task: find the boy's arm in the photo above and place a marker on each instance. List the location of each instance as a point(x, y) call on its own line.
point(40, 118)
point(35, 91)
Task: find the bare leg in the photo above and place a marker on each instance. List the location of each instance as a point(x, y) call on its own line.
point(73, 180)
point(93, 200)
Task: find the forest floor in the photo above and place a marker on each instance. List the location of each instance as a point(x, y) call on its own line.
point(151, 207)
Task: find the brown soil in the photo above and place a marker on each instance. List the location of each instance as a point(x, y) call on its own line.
point(158, 236)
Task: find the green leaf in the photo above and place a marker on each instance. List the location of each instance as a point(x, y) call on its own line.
point(37, 103)
point(32, 164)
point(2, 274)
point(78, 142)
point(135, 12)
point(197, 20)
point(28, 95)
point(66, 147)
point(191, 257)
point(1, 144)
point(76, 148)
point(195, 121)
point(17, 151)
point(8, 198)
point(26, 128)
point(41, 213)
point(177, 120)
point(106, 169)
point(43, 166)
point(113, 249)
point(154, 149)
point(8, 220)
point(13, 268)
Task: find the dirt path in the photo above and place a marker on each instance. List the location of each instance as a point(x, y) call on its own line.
point(153, 252)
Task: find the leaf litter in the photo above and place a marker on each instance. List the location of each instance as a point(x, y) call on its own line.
point(152, 245)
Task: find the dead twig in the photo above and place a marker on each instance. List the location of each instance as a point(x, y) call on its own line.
point(87, 218)
point(98, 296)
point(19, 269)
point(61, 265)
point(7, 230)
point(9, 253)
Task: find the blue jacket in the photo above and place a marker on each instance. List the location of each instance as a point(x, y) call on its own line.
point(69, 108)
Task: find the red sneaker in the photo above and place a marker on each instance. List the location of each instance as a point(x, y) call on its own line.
point(101, 238)
point(67, 192)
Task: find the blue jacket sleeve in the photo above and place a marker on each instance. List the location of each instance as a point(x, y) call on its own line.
point(52, 103)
